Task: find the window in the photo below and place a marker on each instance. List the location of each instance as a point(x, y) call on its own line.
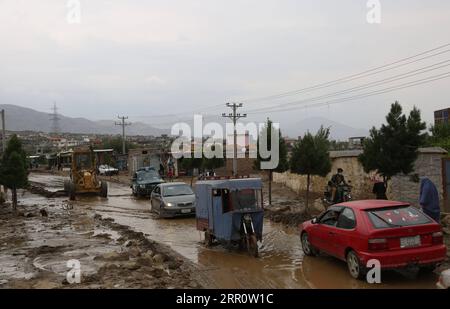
point(245, 199)
point(157, 190)
point(396, 217)
point(330, 217)
point(347, 219)
point(176, 190)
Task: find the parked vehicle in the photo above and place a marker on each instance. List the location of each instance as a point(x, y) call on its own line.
point(444, 280)
point(83, 175)
point(107, 170)
point(144, 181)
point(328, 196)
point(231, 212)
point(173, 199)
point(394, 233)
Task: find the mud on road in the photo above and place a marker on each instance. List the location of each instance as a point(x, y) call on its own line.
point(37, 243)
point(111, 237)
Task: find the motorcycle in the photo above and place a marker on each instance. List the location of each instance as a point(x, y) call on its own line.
point(346, 195)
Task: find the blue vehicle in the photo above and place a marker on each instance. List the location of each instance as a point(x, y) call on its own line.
point(231, 212)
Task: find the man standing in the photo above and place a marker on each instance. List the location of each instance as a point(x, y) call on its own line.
point(429, 199)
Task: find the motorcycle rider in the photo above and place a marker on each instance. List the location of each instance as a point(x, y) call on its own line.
point(337, 182)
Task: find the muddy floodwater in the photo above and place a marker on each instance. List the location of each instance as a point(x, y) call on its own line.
point(281, 263)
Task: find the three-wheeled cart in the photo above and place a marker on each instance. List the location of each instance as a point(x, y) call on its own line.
point(231, 212)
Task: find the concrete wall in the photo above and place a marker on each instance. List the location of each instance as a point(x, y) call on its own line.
point(353, 172)
point(403, 188)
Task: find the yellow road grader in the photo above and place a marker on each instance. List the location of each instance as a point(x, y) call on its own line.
point(83, 175)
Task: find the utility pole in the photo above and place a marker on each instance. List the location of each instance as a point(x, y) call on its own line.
point(234, 116)
point(3, 131)
point(123, 124)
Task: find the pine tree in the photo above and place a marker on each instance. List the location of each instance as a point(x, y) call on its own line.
point(13, 168)
point(393, 149)
point(311, 157)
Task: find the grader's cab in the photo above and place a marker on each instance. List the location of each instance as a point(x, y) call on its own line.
point(83, 175)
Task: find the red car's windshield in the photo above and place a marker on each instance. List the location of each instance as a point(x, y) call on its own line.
point(397, 217)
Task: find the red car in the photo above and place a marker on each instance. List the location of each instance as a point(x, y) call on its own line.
point(395, 233)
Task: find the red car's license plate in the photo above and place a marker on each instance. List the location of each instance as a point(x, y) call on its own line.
point(408, 242)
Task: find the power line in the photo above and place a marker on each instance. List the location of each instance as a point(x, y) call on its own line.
point(388, 80)
point(123, 124)
point(363, 95)
point(365, 73)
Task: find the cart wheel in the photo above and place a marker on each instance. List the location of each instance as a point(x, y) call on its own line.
point(208, 239)
point(252, 245)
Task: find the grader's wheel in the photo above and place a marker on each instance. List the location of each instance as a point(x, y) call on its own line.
point(71, 191)
point(104, 189)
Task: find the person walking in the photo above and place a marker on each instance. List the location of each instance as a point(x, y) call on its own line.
point(379, 189)
point(429, 199)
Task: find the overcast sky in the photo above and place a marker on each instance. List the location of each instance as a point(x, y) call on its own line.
point(143, 58)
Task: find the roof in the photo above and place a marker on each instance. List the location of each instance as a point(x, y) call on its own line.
point(437, 150)
point(166, 184)
point(356, 152)
point(345, 153)
point(244, 183)
point(372, 204)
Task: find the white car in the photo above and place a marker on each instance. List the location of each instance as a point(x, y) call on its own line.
point(444, 280)
point(107, 170)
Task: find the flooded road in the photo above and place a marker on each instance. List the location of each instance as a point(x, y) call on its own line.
point(281, 263)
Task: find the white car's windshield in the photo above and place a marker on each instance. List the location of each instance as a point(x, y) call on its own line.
point(177, 190)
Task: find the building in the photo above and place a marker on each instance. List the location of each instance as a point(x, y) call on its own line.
point(143, 157)
point(441, 116)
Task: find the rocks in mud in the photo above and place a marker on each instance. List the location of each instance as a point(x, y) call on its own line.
point(130, 243)
point(43, 213)
point(134, 252)
point(113, 256)
point(159, 258)
point(318, 207)
point(131, 265)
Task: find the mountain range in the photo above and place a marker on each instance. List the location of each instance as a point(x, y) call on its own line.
point(20, 118)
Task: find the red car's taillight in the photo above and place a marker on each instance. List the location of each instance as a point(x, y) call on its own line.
point(377, 244)
point(438, 238)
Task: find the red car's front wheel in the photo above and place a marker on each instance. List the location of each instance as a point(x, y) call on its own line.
point(308, 249)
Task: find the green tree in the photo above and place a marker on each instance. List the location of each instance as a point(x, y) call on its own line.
point(116, 144)
point(190, 164)
point(283, 164)
point(13, 168)
point(393, 149)
point(310, 157)
point(213, 163)
point(440, 136)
